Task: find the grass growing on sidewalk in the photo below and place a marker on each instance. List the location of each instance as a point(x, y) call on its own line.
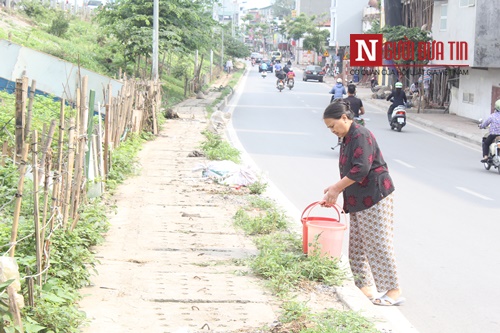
point(284, 266)
point(215, 148)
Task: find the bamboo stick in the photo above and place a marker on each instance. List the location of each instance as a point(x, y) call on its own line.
point(29, 115)
point(69, 172)
point(102, 175)
point(80, 156)
point(107, 132)
point(57, 174)
point(21, 95)
point(36, 209)
point(48, 143)
point(19, 198)
point(95, 157)
point(47, 163)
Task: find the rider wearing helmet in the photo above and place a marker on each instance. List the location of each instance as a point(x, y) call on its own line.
point(398, 98)
point(494, 122)
point(338, 90)
point(290, 75)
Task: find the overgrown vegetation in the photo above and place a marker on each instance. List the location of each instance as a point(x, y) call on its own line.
point(284, 266)
point(217, 149)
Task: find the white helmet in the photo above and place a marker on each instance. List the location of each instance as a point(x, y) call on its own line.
point(339, 80)
point(497, 105)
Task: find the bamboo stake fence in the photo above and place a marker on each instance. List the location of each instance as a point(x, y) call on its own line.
point(66, 162)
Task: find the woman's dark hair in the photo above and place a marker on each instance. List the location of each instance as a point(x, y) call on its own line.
point(337, 108)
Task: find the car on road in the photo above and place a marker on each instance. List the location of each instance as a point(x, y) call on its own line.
point(257, 56)
point(312, 72)
point(276, 55)
point(269, 65)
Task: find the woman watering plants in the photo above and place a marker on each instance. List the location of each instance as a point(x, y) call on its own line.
point(367, 190)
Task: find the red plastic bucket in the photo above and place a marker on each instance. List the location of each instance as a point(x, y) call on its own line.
point(328, 231)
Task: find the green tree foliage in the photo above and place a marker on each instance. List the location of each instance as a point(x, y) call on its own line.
point(315, 40)
point(404, 34)
point(283, 8)
point(299, 26)
point(183, 25)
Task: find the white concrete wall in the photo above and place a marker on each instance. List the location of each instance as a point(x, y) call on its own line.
point(461, 25)
point(52, 75)
point(348, 18)
point(478, 82)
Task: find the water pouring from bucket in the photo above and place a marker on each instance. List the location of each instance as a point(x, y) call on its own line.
point(323, 233)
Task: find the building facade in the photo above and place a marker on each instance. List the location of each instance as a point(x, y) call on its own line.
point(474, 22)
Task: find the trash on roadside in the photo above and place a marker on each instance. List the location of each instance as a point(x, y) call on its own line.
point(227, 172)
point(196, 153)
point(219, 119)
point(244, 176)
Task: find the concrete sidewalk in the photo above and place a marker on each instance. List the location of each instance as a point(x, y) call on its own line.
point(170, 261)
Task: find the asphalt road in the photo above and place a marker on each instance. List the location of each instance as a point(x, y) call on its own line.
point(447, 207)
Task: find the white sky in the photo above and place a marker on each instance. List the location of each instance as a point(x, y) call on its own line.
point(257, 3)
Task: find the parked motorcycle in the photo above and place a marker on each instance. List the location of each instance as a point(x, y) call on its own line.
point(290, 83)
point(398, 118)
point(263, 74)
point(494, 152)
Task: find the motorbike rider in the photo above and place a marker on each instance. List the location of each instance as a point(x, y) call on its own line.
point(281, 76)
point(277, 68)
point(398, 97)
point(494, 122)
point(290, 75)
point(355, 104)
point(286, 68)
point(338, 90)
point(263, 67)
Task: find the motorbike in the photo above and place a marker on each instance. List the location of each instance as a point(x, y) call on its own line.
point(398, 118)
point(494, 152)
point(263, 74)
point(373, 83)
point(359, 120)
point(290, 83)
point(281, 85)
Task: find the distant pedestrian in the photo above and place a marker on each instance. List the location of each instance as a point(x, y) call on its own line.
point(229, 66)
point(367, 190)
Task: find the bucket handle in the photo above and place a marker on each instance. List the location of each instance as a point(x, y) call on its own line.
point(337, 208)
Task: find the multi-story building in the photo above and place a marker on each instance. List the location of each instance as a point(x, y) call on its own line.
point(346, 19)
point(474, 24)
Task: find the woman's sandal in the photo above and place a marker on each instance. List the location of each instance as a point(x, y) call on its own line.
point(387, 301)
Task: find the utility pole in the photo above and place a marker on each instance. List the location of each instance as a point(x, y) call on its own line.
point(156, 9)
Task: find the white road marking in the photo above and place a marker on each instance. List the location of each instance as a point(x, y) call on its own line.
point(474, 193)
point(266, 106)
point(405, 164)
point(271, 132)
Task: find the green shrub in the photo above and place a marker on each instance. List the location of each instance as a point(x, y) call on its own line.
point(60, 25)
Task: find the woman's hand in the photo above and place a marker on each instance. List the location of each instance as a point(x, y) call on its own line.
point(331, 195)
